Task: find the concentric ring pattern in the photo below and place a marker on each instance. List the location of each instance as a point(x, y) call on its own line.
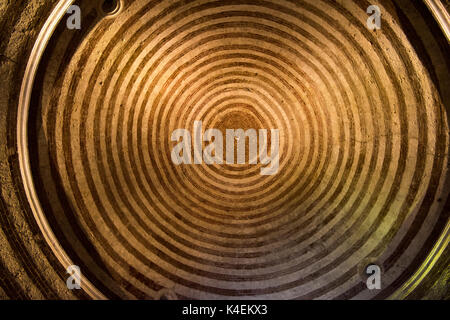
point(363, 149)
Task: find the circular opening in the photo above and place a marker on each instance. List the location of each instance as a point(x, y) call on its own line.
point(110, 6)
